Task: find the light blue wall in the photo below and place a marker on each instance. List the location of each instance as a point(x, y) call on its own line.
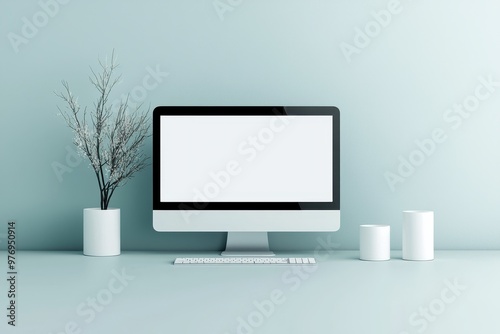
point(393, 89)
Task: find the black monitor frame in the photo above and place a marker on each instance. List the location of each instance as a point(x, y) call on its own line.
point(248, 111)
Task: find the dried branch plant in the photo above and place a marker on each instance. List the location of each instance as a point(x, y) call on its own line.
point(110, 137)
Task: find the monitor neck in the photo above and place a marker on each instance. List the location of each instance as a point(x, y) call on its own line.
point(247, 244)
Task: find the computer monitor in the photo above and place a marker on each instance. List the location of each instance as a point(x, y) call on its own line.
point(246, 171)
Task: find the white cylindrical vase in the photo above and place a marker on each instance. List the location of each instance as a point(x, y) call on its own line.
point(101, 232)
point(418, 235)
point(374, 242)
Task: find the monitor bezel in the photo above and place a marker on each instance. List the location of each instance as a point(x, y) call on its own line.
point(160, 111)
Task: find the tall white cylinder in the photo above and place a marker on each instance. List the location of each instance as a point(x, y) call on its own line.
point(418, 235)
point(101, 232)
point(374, 242)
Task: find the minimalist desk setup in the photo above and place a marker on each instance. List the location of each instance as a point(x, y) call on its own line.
point(290, 188)
point(143, 292)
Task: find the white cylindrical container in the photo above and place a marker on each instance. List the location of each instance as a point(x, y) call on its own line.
point(418, 235)
point(101, 232)
point(374, 242)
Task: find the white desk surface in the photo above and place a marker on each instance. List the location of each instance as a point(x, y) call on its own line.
point(66, 292)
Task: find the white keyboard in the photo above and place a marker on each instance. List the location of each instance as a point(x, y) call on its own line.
point(246, 260)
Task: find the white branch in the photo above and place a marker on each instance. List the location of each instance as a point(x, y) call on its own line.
point(112, 144)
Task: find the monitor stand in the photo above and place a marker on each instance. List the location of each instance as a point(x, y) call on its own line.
point(247, 244)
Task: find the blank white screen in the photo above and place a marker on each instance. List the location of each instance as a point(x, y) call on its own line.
point(246, 158)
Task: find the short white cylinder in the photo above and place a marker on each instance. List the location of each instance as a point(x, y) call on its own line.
point(418, 235)
point(374, 242)
point(101, 232)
